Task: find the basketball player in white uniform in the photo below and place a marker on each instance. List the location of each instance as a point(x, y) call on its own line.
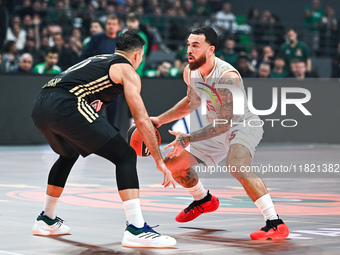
point(209, 145)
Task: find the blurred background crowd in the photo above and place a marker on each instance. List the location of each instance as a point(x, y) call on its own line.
point(49, 36)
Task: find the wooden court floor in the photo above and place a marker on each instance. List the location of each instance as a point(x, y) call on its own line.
point(309, 203)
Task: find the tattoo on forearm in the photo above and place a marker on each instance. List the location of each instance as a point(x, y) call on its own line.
point(192, 95)
point(209, 132)
point(225, 80)
point(224, 111)
point(183, 141)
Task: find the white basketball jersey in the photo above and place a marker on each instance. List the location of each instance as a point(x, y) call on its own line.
point(206, 90)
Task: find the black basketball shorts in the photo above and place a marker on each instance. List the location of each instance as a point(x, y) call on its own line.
point(69, 123)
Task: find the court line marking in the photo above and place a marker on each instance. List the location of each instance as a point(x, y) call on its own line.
point(9, 253)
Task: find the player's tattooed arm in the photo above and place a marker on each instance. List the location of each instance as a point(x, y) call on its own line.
point(216, 128)
point(183, 141)
point(224, 111)
point(195, 100)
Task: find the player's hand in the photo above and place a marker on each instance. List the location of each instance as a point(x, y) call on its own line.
point(182, 140)
point(168, 179)
point(156, 122)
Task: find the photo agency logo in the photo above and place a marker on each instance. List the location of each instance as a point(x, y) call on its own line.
point(241, 103)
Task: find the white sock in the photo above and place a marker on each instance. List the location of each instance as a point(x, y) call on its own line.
point(50, 206)
point(266, 206)
point(198, 192)
point(133, 212)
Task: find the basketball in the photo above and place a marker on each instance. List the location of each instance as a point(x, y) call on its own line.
point(134, 139)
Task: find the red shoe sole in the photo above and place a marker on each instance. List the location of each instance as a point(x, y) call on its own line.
point(209, 206)
point(281, 233)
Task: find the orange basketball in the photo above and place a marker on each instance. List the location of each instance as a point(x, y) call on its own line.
point(134, 139)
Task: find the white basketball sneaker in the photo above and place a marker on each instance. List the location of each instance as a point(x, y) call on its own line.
point(45, 226)
point(145, 237)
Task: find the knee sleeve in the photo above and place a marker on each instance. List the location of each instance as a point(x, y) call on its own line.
point(124, 157)
point(61, 169)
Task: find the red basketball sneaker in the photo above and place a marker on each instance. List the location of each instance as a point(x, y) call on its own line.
point(207, 204)
point(274, 230)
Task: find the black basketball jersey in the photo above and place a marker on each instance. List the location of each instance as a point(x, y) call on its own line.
point(89, 80)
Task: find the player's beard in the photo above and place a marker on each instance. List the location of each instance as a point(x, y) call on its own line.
point(197, 63)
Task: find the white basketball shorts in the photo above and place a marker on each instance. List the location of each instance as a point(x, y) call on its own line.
point(214, 150)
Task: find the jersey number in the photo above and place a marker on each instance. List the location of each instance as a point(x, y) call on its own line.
point(232, 135)
point(210, 106)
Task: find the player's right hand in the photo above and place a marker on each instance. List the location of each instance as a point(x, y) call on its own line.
point(168, 179)
point(156, 122)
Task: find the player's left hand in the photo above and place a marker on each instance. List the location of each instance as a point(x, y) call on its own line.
point(182, 140)
point(168, 179)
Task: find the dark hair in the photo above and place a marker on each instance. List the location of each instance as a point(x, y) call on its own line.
point(7, 47)
point(132, 16)
point(290, 29)
point(97, 21)
point(58, 33)
point(30, 38)
point(209, 33)
point(264, 63)
point(112, 16)
point(297, 60)
point(52, 50)
point(129, 41)
point(243, 55)
point(230, 38)
point(164, 61)
point(280, 56)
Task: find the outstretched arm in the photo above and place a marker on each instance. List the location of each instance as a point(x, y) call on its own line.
point(183, 108)
point(224, 111)
point(132, 87)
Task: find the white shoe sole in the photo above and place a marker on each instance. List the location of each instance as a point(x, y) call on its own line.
point(40, 228)
point(130, 240)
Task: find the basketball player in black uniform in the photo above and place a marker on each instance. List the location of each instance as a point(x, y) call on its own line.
point(66, 114)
